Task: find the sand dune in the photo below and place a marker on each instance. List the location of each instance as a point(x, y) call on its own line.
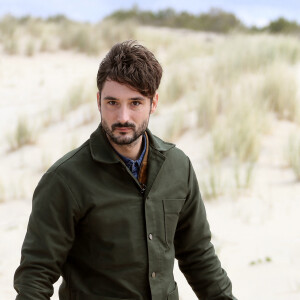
point(256, 232)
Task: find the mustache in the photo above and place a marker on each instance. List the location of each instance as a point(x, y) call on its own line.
point(127, 124)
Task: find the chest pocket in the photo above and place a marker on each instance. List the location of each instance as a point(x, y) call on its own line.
point(172, 208)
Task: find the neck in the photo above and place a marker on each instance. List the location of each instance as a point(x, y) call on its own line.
point(132, 151)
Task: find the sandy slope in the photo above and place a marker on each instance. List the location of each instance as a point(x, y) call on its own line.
point(256, 233)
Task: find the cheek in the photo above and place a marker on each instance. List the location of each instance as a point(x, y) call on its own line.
point(109, 116)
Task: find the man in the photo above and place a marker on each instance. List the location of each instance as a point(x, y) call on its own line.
point(111, 215)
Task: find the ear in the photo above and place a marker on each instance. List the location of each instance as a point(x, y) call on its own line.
point(154, 103)
point(98, 101)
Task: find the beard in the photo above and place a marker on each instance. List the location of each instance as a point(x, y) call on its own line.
point(124, 138)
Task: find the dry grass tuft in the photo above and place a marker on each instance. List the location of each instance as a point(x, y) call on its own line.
point(30, 48)
point(242, 54)
point(177, 126)
point(77, 96)
point(212, 185)
point(82, 38)
point(11, 45)
point(23, 134)
point(112, 32)
point(292, 152)
point(209, 105)
point(279, 91)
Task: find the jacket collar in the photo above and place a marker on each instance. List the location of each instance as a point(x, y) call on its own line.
point(102, 150)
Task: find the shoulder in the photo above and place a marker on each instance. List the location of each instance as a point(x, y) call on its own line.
point(72, 158)
point(168, 149)
point(172, 154)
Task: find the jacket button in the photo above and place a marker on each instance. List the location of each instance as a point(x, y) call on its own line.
point(150, 236)
point(153, 275)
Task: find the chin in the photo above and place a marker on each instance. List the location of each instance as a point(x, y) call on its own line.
point(122, 140)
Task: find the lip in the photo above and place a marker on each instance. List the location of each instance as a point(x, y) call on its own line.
point(124, 129)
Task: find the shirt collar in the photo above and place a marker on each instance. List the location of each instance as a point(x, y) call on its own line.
point(129, 161)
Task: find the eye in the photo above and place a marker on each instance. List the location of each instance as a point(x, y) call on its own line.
point(112, 102)
point(136, 103)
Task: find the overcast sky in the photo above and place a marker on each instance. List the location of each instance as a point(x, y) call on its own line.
point(251, 12)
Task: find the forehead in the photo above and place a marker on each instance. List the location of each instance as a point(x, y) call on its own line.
point(118, 90)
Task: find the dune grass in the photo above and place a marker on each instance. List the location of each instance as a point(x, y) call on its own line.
point(23, 134)
point(81, 38)
point(279, 91)
point(112, 32)
point(81, 94)
point(172, 88)
point(212, 185)
point(76, 96)
point(30, 48)
point(236, 138)
point(29, 35)
point(90, 115)
point(233, 83)
point(177, 126)
point(246, 78)
point(238, 55)
point(10, 45)
point(292, 153)
point(209, 100)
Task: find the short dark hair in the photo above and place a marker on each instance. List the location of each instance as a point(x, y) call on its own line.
point(131, 64)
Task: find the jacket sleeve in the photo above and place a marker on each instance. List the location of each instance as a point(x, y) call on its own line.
point(49, 237)
point(195, 253)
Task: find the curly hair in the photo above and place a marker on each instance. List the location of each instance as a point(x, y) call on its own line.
point(131, 64)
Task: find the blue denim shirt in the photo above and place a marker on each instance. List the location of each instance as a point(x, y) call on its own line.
point(135, 165)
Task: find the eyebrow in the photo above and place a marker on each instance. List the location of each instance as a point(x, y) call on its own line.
point(133, 98)
point(110, 98)
point(137, 98)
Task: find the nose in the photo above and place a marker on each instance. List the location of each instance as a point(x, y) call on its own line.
point(123, 114)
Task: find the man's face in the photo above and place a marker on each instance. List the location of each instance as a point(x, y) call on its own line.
point(124, 112)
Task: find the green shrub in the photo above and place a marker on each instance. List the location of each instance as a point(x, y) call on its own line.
point(282, 25)
point(215, 20)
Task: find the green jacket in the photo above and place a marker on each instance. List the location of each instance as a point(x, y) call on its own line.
point(111, 238)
